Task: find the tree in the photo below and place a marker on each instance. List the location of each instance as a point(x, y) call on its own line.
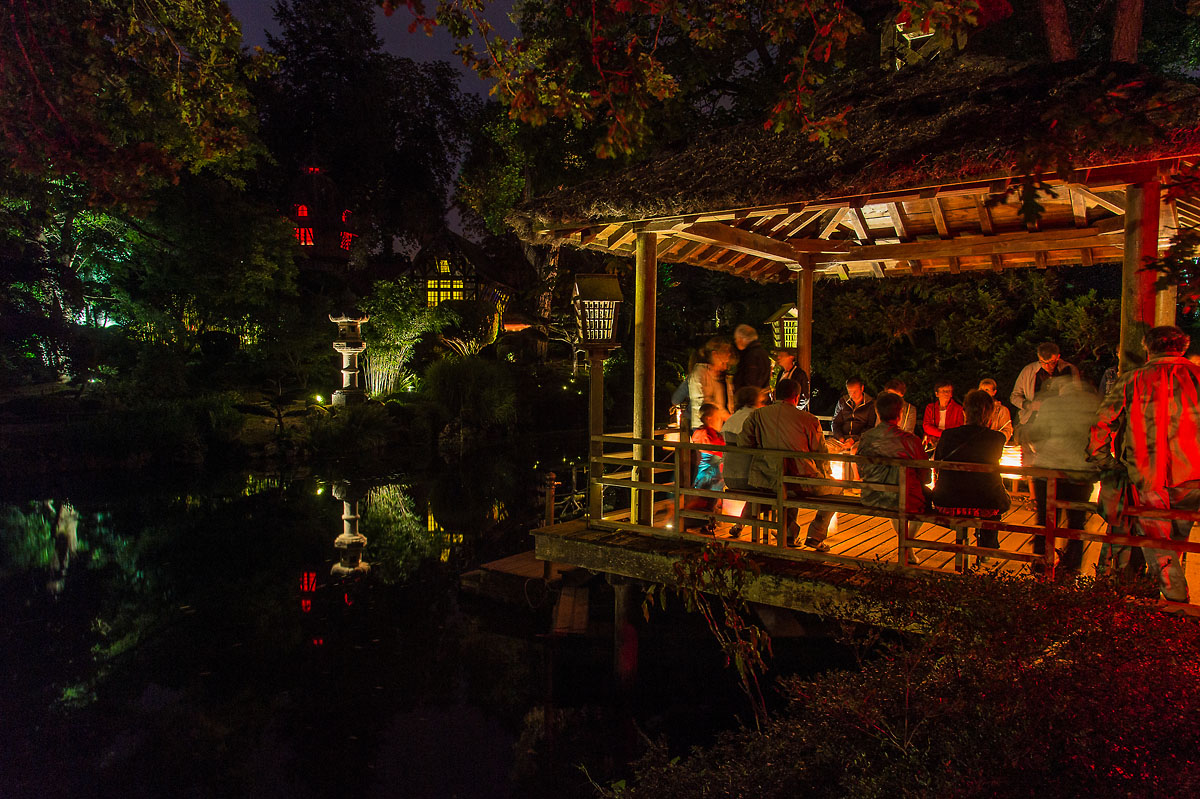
point(123, 95)
point(388, 130)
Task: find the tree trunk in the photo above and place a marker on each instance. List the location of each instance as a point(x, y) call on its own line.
point(1058, 30)
point(1127, 31)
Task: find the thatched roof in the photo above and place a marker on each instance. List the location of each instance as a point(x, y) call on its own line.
point(953, 120)
point(928, 153)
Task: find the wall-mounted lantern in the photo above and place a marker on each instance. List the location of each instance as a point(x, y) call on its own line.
point(597, 299)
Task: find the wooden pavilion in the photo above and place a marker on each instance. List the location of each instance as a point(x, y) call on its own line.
point(928, 180)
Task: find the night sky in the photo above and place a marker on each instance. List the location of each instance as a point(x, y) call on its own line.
point(256, 19)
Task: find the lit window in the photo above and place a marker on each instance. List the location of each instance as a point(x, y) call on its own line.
point(313, 170)
point(345, 214)
point(444, 266)
point(347, 240)
point(438, 291)
point(432, 524)
point(301, 210)
point(304, 235)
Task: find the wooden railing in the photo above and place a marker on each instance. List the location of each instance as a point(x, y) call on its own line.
point(667, 478)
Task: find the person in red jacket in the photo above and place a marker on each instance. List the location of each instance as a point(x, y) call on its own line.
point(942, 414)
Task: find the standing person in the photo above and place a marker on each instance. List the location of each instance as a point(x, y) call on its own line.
point(1155, 415)
point(789, 370)
point(941, 415)
point(1001, 418)
point(975, 494)
point(754, 364)
point(854, 415)
point(737, 462)
point(708, 472)
point(784, 426)
point(1059, 433)
point(908, 411)
point(706, 383)
point(1048, 364)
point(889, 440)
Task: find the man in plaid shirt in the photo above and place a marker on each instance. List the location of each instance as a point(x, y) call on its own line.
point(1150, 424)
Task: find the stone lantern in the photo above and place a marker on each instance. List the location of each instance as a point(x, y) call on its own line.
point(351, 542)
point(597, 299)
point(350, 344)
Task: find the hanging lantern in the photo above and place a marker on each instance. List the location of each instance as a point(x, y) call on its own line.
point(596, 299)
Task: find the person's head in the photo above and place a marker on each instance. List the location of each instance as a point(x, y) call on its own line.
point(1166, 340)
point(888, 406)
point(977, 406)
point(743, 335)
point(748, 397)
point(897, 387)
point(787, 391)
point(944, 391)
point(855, 389)
point(1048, 357)
point(718, 353)
point(712, 416)
point(989, 385)
point(785, 358)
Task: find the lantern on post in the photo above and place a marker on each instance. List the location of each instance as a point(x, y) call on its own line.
point(349, 344)
point(597, 299)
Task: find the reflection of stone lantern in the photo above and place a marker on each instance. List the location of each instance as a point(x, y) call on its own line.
point(597, 299)
point(350, 344)
point(351, 542)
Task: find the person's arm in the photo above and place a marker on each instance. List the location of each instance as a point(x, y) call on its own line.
point(1006, 426)
point(1104, 430)
point(929, 423)
point(838, 426)
point(1018, 398)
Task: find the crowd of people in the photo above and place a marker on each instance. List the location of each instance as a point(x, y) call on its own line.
point(1141, 440)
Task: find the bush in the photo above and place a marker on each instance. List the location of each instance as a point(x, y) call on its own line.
point(477, 392)
point(997, 685)
point(351, 430)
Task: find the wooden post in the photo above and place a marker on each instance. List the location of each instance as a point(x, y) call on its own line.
point(627, 602)
point(804, 316)
point(646, 290)
point(902, 548)
point(1048, 552)
point(1138, 297)
point(595, 428)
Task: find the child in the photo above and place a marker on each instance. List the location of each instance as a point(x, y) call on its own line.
point(708, 473)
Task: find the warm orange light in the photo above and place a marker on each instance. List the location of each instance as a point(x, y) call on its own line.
point(1011, 457)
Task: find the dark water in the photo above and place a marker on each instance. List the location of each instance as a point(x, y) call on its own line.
point(196, 644)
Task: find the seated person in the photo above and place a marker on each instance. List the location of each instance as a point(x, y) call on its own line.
point(888, 440)
point(737, 464)
point(976, 494)
point(708, 472)
point(941, 414)
point(1001, 418)
point(853, 416)
point(908, 411)
point(788, 370)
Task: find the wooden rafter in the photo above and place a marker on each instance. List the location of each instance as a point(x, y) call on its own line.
point(899, 221)
point(1070, 239)
point(738, 240)
point(834, 223)
point(986, 226)
point(1078, 208)
point(1106, 200)
point(939, 218)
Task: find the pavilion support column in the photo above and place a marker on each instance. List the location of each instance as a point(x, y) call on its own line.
point(1142, 307)
point(595, 428)
point(804, 316)
point(644, 322)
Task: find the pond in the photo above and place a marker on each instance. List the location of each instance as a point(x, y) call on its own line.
point(197, 643)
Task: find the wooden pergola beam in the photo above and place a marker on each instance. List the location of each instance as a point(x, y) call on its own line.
point(738, 240)
point(1071, 239)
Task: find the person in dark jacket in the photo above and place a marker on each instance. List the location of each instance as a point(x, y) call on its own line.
point(854, 414)
point(754, 364)
point(976, 494)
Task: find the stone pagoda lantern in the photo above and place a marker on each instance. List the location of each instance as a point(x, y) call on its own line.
point(350, 344)
point(351, 542)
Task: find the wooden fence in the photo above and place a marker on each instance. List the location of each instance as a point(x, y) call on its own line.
point(666, 475)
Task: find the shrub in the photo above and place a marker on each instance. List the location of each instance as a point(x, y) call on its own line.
point(479, 393)
point(351, 430)
point(995, 685)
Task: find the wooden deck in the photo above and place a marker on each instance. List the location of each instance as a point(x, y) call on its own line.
point(799, 579)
